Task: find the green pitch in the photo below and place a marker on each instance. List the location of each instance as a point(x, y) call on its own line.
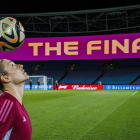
point(83, 115)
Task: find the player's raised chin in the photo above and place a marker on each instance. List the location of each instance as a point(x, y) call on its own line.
point(15, 73)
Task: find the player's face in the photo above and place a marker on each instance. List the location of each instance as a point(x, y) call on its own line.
point(16, 72)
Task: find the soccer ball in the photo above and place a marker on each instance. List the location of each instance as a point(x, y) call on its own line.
point(12, 34)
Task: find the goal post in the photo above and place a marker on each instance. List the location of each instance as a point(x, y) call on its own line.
point(44, 85)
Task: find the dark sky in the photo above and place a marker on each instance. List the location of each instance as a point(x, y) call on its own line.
point(38, 6)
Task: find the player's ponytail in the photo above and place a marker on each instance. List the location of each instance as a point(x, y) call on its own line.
point(2, 72)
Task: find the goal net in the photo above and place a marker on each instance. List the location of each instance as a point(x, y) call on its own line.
point(45, 82)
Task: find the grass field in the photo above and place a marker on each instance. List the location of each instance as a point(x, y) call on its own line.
point(83, 115)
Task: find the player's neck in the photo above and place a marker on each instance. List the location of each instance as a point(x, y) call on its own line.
point(16, 91)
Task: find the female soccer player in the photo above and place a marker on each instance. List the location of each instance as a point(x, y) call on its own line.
point(15, 123)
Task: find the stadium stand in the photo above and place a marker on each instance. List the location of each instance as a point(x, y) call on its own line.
point(88, 70)
point(120, 76)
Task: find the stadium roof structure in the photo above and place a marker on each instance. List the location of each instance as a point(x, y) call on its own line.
point(115, 20)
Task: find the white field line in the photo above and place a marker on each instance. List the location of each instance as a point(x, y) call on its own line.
point(134, 93)
point(105, 117)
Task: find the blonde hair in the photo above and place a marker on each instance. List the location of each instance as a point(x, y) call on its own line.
point(2, 72)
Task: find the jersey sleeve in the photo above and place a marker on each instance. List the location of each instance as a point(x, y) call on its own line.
point(7, 117)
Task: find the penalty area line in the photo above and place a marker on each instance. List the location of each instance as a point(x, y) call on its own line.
point(134, 93)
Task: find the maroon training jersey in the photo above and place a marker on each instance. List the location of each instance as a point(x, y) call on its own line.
point(15, 123)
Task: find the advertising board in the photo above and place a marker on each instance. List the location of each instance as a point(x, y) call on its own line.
point(35, 86)
point(81, 87)
point(121, 87)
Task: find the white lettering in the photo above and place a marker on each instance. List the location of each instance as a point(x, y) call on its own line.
point(113, 87)
point(127, 87)
point(83, 87)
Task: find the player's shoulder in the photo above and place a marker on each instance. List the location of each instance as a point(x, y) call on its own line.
point(7, 106)
point(7, 101)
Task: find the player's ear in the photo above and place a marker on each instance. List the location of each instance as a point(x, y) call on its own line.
point(5, 79)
